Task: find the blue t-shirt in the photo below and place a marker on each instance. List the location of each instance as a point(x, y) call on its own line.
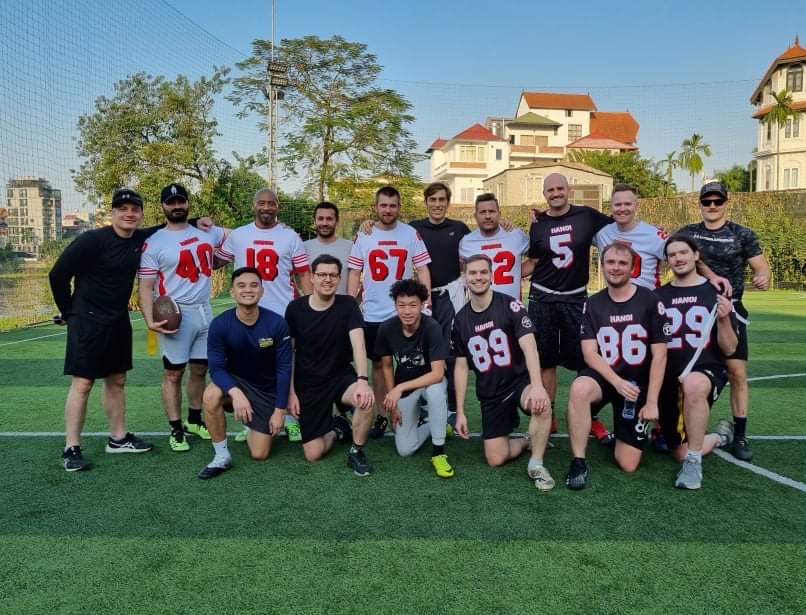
point(259, 354)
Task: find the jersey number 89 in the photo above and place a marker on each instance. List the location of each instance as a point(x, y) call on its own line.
point(494, 349)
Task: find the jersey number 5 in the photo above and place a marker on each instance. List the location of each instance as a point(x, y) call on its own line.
point(187, 267)
point(559, 245)
point(494, 349)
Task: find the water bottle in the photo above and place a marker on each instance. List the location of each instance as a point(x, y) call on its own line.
point(628, 411)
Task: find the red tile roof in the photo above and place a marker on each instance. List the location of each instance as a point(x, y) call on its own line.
point(798, 105)
point(476, 132)
point(591, 142)
point(436, 145)
point(793, 53)
point(550, 100)
point(619, 126)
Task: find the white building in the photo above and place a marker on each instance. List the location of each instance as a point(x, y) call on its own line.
point(34, 214)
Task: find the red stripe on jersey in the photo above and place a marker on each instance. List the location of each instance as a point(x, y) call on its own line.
point(263, 242)
point(657, 275)
point(421, 258)
point(188, 241)
point(223, 254)
point(162, 285)
point(355, 262)
point(301, 269)
point(491, 246)
point(387, 242)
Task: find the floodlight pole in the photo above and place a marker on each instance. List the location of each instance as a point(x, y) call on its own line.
point(272, 109)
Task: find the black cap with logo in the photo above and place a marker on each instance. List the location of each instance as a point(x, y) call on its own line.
point(173, 191)
point(125, 196)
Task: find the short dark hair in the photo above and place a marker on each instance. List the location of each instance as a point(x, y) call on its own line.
point(325, 259)
point(487, 196)
point(479, 257)
point(618, 246)
point(387, 191)
point(622, 187)
point(326, 205)
point(408, 288)
point(686, 239)
point(435, 187)
point(243, 271)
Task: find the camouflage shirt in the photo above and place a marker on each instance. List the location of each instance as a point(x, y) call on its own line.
point(726, 250)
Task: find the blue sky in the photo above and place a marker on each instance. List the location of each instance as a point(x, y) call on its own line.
point(678, 67)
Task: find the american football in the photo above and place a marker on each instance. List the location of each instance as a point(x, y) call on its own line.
point(166, 309)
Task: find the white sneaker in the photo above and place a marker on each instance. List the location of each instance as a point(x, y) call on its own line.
point(542, 478)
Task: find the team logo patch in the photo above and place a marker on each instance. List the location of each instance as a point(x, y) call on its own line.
point(642, 429)
point(667, 329)
point(265, 342)
point(526, 322)
point(516, 306)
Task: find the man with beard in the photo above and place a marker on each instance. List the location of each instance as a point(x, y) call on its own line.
point(177, 262)
point(625, 349)
point(276, 251)
point(325, 218)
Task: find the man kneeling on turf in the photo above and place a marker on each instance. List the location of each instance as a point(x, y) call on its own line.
point(494, 331)
point(327, 331)
point(249, 354)
point(624, 346)
point(419, 350)
point(703, 331)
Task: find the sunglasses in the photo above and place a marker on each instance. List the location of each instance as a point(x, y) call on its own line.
point(709, 202)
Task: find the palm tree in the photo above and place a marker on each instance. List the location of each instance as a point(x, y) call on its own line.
point(690, 155)
point(671, 163)
point(778, 114)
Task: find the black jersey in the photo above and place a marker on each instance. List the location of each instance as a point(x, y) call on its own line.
point(322, 348)
point(412, 355)
point(489, 341)
point(562, 246)
point(726, 250)
point(687, 314)
point(442, 242)
point(625, 331)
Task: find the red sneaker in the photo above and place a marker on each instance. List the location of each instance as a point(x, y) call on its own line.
point(600, 432)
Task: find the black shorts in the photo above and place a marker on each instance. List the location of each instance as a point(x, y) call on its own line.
point(262, 405)
point(742, 348)
point(499, 416)
point(316, 404)
point(671, 403)
point(635, 431)
point(370, 335)
point(557, 331)
point(96, 349)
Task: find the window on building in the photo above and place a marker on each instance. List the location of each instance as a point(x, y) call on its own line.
point(794, 78)
point(467, 195)
point(527, 139)
point(499, 154)
point(512, 139)
point(769, 131)
point(499, 193)
point(788, 128)
point(471, 153)
point(574, 131)
point(569, 113)
point(767, 177)
point(795, 126)
point(786, 178)
point(794, 178)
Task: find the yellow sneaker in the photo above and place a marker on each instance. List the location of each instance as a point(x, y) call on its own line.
point(242, 435)
point(442, 467)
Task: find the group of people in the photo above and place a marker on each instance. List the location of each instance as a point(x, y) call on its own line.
point(436, 301)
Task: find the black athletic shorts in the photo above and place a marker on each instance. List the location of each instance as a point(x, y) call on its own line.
point(671, 403)
point(370, 335)
point(499, 416)
point(742, 348)
point(95, 349)
point(262, 405)
point(557, 331)
point(634, 432)
point(316, 404)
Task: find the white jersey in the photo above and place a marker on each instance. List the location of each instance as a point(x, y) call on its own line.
point(646, 241)
point(505, 249)
point(182, 262)
point(386, 257)
point(340, 248)
point(277, 253)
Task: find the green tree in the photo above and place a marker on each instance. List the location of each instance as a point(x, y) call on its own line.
point(778, 114)
point(691, 152)
point(736, 178)
point(625, 167)
point(670, 164)
point(151, 132)
point(337, 122)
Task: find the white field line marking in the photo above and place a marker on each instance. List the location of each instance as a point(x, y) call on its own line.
point(773, 476)
point(775, 377)
point(42, 337)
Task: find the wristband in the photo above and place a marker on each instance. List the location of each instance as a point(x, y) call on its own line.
point(365, 378)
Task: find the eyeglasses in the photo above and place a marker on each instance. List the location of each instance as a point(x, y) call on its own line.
point(327, 276)
point(715, 202)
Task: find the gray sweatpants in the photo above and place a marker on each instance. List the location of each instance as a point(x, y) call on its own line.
point(408, 436)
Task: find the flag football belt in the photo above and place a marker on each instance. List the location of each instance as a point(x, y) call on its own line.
point(550, 291)
point(739, 317)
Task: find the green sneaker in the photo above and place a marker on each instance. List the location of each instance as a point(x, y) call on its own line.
point(197, 430)
point(293, 432)
point(442, 467)
point(178, 442)
point(241, 436)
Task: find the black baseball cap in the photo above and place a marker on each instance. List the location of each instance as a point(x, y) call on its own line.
point(173, 191)
point(126, 195)
point(714, 188)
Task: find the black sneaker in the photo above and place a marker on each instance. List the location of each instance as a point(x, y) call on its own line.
point(379, 427)
point(128, 444)
point(577, 474)
point(659, 442)
point(73, 460)
point(342, 427)
point(741, 449)
point(357, 460)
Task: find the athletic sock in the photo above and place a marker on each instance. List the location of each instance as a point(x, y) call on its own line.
point(534, 463)
point(176, 425)
point(739, 427)
point(222, 456)
point(437, 449)
point(195, 416)
point(695, 455)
